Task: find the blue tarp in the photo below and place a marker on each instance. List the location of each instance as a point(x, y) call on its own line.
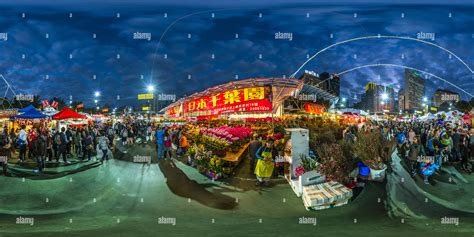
point(31, 114)
point(26, 109)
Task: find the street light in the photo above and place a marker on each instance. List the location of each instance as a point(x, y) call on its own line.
point(425, 99)
point(96, 101)
point(150, 88)
point(97, 94)
point(384, 96)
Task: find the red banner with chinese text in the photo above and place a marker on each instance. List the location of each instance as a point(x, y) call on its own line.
point(173, 112)
point(253, 99)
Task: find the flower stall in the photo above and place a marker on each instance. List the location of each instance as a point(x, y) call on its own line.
point(217, 151)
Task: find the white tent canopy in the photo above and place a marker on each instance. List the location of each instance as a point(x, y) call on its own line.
point(351, 110)
point(428, 117)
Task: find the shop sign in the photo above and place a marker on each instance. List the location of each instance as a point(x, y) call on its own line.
point(145, 96)
point(7, 113)
point(253, 99)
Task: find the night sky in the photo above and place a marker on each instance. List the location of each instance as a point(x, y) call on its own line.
point(199, 50)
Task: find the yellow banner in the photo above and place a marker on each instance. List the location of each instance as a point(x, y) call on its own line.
point(145, 96)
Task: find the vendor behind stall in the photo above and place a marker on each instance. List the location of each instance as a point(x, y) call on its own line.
point(266, 157)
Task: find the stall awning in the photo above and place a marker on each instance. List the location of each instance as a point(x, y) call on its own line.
point(26, 109)
point(31, 114)
point(68, 113)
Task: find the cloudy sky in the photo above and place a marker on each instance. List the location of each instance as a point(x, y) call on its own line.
point(50, 53)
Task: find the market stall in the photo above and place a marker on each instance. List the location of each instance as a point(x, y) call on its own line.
point(69, 118)
point(5, 117)
point(30, 117)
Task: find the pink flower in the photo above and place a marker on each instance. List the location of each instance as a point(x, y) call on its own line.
point(299, 171)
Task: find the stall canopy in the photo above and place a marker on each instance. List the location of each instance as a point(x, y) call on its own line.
point(26, 109)
point(68, 113)
point(31, 114)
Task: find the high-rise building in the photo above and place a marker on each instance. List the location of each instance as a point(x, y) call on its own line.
point(444, 96)
point(378, 98)
point(325, 81)
point(401, 100)
point(413, 91)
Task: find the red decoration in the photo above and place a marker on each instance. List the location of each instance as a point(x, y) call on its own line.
point(45, 103)
point(54, 104)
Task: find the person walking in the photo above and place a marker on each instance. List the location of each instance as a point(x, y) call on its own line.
point(183, 143)
point(77, 143)
point(88, 145)
point(5, 150)
point(167, 144)
point(39, 150)
point(159, 142)
point(70, 143)
point(104, 146)
point(49, 147)
point(22, 142)
point(415, 153)
point(124, 136)
point(61, 140)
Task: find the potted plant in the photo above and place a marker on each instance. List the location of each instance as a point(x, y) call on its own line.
point(375, 152)
point(201, 159)
point(215, 168)
point(333, 163)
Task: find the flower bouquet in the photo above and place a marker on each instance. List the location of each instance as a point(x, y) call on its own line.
point(215, 168)
point(299, 171)
point(202, 158)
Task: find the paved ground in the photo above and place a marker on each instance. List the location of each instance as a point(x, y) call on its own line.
point(121, 198)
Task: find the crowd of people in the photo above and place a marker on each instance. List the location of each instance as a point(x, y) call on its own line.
point(426, 146)
point(43, 144)
point(169, 139)
point(423, 145)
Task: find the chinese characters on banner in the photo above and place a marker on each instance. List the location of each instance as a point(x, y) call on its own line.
point(253, 99)
point(174, 111)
